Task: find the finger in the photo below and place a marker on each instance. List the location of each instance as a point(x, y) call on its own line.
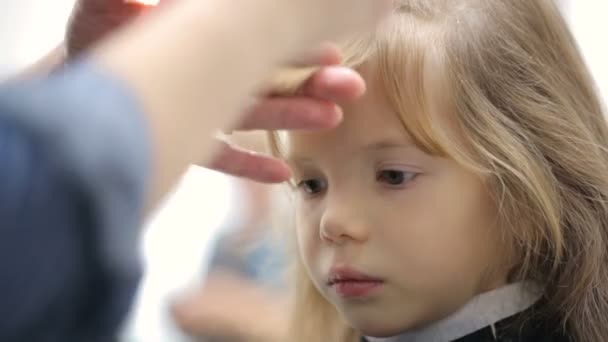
point(329, 84)
point(286, 81)
point(326, 54)
point(335, 84)
point(278, 113)
point(247, 164)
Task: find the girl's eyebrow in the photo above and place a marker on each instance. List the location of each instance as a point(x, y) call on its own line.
point(387, 144)
point(383, 144)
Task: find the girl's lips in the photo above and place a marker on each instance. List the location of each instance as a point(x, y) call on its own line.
point(356, 289)
point(350, 283)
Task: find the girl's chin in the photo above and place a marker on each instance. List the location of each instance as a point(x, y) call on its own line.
point(379, 329)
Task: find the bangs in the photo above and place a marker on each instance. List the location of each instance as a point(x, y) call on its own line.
point(406, 64)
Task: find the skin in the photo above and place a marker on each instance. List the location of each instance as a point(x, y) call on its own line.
point(230, 306)
point(370, 199)
point(185, 65)
point(313, 108)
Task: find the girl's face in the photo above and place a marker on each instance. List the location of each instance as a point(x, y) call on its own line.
point(394, 238)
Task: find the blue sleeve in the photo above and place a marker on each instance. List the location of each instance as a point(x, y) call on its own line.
point(74, 159)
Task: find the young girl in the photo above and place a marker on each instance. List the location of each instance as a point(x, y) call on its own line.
point(465, 197)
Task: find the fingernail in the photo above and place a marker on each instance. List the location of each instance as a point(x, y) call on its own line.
point(339, 115)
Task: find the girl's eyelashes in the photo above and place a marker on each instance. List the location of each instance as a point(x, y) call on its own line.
point(393, 177)
point(312, 186)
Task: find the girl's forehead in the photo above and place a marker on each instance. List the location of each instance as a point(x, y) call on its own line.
point(368, 122)
point(383, 116)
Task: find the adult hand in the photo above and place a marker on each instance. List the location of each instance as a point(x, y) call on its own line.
point(91, 20)
point(314, 107)
point(230, 307)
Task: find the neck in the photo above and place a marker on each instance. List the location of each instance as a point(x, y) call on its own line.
point(482, 311)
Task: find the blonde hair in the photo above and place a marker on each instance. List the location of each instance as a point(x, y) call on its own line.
point(500, 87)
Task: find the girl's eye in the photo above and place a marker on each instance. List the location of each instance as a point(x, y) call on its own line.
point(395, 177)
point(312, 186)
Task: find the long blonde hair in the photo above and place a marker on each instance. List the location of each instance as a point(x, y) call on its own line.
point(523, 113)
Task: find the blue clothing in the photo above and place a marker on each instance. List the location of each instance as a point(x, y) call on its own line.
point(74, 161)
point(262, 259)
